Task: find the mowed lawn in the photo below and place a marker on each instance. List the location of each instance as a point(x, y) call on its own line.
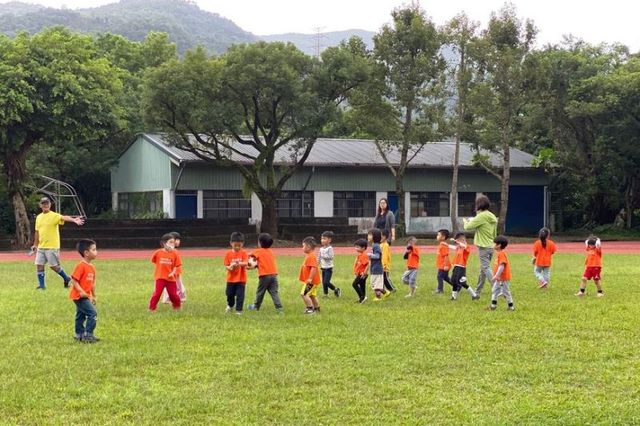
point(556, 360)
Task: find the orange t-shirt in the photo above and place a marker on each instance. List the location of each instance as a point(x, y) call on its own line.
point(85, 275)
point(442, 256)
point(266, 261)
point(543, 254)
point(594, 257)
point(361, 264)
point(239, 274)
point(462, 256)
point(310, 262)
point(413, 260)
point(501, 259)
point(166, 262)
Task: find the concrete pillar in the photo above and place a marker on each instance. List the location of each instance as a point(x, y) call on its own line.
point(407, 210)
point(169, 203)
point(256, 209)
point(200, 204)
point(323, 204)
point(114, 201)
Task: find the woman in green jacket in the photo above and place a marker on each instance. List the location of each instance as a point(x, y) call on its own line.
point(485, 225)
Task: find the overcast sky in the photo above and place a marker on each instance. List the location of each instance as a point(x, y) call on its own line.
point(592, 20)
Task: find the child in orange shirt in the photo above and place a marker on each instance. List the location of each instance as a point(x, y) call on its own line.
point(182, 292)
point(443, 264)
point(501, 274)
point(360, 267)
point(168, 268)
point(459, 272)
point(267, 273)
point(235, 262)
point(593, 265)
point(543, 249)
point(412, 256)
point(310, 277)
point(83, 292)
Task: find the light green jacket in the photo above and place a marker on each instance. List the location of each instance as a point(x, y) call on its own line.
point(485, 225)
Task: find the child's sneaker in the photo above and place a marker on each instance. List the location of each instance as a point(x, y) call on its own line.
point(66, 283)
point(436, 291)
point(40, 288)
point(579, 294)
point(364, 299)
point(238, 312)
point(279, 311)
point(600, 294)
point(227, 309)
point(252, 307)
point(309, 311)
point(337, 292)
point(491, 308)
point(543, 284)
point(475, 297)
point(90, 339)
point(377, 299)
point(408, 296)
point(387, 294)
point(511, 308)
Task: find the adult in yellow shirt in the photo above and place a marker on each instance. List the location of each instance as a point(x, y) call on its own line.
point(46, 241)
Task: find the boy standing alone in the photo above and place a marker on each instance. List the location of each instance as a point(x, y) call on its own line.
point(83, 292)
point(235, 261)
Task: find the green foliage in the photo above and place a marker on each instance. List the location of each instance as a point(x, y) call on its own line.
point(545, 363)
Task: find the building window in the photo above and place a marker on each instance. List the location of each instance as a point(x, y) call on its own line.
point(225, 204)
point(140, 204)
point(295, 204)
point(466, 204)
point(354, 203)
point(429, 204)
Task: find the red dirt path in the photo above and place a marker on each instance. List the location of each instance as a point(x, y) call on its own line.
point(612, 247)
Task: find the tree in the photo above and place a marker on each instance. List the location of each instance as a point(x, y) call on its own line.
point(254, 106)
point(54, 89)
point(460, 35)
point(501, 92)
point(403, 106)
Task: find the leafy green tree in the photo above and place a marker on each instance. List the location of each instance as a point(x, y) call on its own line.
point(251, 108)
point(54, 89)
point(460, 34)
point(501, 92)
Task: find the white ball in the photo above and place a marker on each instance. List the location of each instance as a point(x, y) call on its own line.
point(252, 262)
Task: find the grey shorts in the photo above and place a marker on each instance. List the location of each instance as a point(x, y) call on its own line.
point(410, 277)
point(377, 282)
point(50, 256)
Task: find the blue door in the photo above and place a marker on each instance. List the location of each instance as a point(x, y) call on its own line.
point(186, 205)
point(525, 214)
point(393, 203)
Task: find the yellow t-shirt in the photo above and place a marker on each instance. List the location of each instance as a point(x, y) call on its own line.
point(47, 228)
point(386, 256)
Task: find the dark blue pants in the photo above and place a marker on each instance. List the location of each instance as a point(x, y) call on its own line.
point(86, 316)
point(235, 295)
point(327, 273)
point(442, 277)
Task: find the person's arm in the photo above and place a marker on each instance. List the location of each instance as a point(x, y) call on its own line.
point(375, 255)
point(498, 272)
point(76, 286)
point(36, 241)
point(93, 297)
point(472, 223)
point(77, 219)
point(312, 273)
point(392, 225)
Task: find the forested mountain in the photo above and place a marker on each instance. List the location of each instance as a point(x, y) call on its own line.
point(186, 24)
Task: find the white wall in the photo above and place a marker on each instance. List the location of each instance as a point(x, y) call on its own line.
point(323, 203)
point(114, 201)
point(200, 205)
point(256, 210)
point(169, 203)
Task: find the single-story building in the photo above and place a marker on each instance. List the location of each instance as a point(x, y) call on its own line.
point(341, 178)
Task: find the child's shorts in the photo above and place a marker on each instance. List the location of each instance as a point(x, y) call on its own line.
point(312, 292)
point(410, 277)
point(592, 273)
point(377, 282)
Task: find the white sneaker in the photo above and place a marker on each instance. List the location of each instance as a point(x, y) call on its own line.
point(227, 309)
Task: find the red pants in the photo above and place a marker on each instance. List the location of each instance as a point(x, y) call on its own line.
point(172, 291)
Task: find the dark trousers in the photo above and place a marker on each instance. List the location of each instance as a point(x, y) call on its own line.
point(459, 278)
point(360, 286)
point(327, 273)
point(268, 283)
point(235, 295)
point(387, 281)
point(86, 317)
point(442, 277)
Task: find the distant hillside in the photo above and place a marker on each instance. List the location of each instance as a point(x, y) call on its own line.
point(308, 42)
point(186, 24)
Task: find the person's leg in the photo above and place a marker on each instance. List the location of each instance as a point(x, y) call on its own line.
point(599, 287)
point(80, 318)
point(537, 271)
point(387, 282)
point(155, 296)
point(325, 282)
point(92, 317)
point(273, 292)
point(405, 277)
point(182, 291)
point(583, 283)
point(546, 274)
point(362, 283)
point(315, 302)
point(263, 283)
point(495, 293)
point(230, 292)
point(485, 254)
point(172, 291)
point(53, 257)
point(329, 276)
point(506, 291)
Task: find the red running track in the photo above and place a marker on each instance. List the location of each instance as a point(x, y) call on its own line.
point(613, 247)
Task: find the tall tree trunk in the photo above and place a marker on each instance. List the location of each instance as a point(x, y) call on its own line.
point(269, 222)
point(15, 170)
point(504, 188)
point(453, 209)
point(401, 230)
point(461, 108)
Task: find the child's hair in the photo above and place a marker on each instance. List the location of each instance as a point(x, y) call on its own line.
point(84, 245)
point(458, 235)
point(592, 240)
point(265, 240)
point(328, 234)
point(411, 239)
point(502, 241)
point(165, 238)
point(362, 243)
point(236, 237)
point(175, 235)
point(385, 233)
point(376, 235)
point(483, 203)
point(543, 235)
point(445, 233)
point(309, 241)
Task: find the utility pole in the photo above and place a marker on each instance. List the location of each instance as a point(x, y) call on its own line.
point(318, 38)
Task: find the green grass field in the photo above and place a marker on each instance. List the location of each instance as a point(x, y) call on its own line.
point(556, 360)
